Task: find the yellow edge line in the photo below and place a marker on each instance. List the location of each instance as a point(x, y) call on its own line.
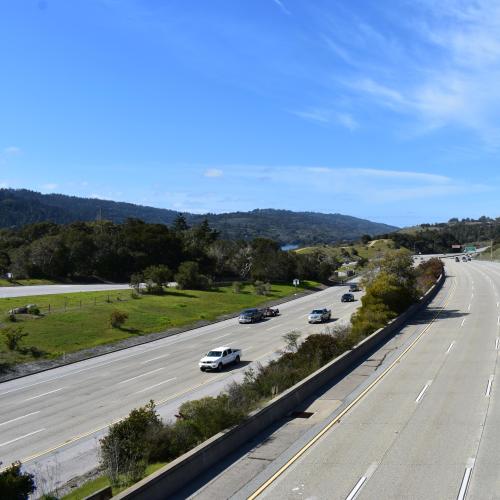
point(89, 433)
point(349, 407)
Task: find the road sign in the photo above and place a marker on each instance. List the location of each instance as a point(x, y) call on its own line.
point(470, 249)
point(456, 246)
point(296, 282)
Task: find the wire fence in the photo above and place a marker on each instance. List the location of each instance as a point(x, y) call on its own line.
point(71, 303)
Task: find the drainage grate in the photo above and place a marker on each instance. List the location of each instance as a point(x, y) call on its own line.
point(302, 414)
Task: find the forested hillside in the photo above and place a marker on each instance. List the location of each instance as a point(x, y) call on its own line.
point(20, 207)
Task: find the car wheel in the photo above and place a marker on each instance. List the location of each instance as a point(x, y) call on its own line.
point(219, 367)
point(237, 360)
point(202, 369)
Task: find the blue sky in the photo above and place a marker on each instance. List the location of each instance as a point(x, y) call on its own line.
point(384, 110)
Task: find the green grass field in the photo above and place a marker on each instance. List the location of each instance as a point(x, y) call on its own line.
point(4, 282)
point(375, 248)
point(102, 482)
point(87, 325)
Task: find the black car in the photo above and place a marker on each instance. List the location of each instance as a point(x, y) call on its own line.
point(270, 311)
point(250, 315)
point(347, 297)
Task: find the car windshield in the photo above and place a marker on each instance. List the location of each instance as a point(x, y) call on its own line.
point(248, 311)
point(214, 354)
point(317, 311)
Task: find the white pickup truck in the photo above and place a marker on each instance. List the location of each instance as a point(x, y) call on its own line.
point(219, 357)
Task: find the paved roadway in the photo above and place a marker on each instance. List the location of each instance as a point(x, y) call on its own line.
point(428, 429)
point(74, 404)
point(31, 290)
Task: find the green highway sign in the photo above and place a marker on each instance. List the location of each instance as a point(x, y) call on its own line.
point(470, 249)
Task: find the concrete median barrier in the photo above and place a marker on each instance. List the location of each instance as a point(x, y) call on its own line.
point(169, 479)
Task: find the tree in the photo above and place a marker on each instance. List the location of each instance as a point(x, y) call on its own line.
point(365, 239)
point(189, 277)
point(4, 262)
point(135, 281)
point(180, 224)
point(16, 484)
point(156, 277)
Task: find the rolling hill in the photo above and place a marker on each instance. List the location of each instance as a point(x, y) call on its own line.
point(19, 207)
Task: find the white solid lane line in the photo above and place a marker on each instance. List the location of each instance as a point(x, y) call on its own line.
point(93, 367)
point(154, 359)
point(274, 327)
point(488, 387)
point(222, 336)
point(21, 437)
point(45, 394)
point(155, 385)
point(139, 376)
point(368, 474)
point(497, 343)
point(422, 392)
point(356, 489)
point(468, 309)
point(450, 348)
point(466, 479)
point(463, 322)
point(19, 418)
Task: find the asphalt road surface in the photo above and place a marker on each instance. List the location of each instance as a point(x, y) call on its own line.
point(26, 291)
point(429, 428)
point(51, 421)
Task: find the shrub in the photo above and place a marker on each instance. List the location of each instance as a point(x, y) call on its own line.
point(291, 341)
point(188, 277)
point(237, 287)
point(15, 484)
point(13, 337)
point(11, 318)
point(117, 318)
point(210, 415)
point(33, 309)
point(124, 451)
point(259, 288)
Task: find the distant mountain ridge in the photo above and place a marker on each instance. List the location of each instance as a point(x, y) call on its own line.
point(19, 207)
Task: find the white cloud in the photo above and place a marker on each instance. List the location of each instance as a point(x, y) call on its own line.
point(213, 172)
point(4, 184)
point(50, 186)
point(12, 150)
point(374, 185)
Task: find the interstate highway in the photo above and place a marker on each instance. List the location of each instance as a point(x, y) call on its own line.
point(51, 420)
point(429, 428)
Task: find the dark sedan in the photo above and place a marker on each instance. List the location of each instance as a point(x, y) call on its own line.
point(347, 297)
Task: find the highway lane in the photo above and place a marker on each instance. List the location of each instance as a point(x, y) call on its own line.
point(430, 428)
point(32, 290)
point(74, 404)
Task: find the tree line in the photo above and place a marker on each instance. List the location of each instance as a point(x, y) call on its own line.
point(103, 250)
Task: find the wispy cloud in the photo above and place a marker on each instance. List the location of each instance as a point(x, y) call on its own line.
point(213, 172)
point(441, 69)
point(281, 5)
point(324, 116)
point(12, 150)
